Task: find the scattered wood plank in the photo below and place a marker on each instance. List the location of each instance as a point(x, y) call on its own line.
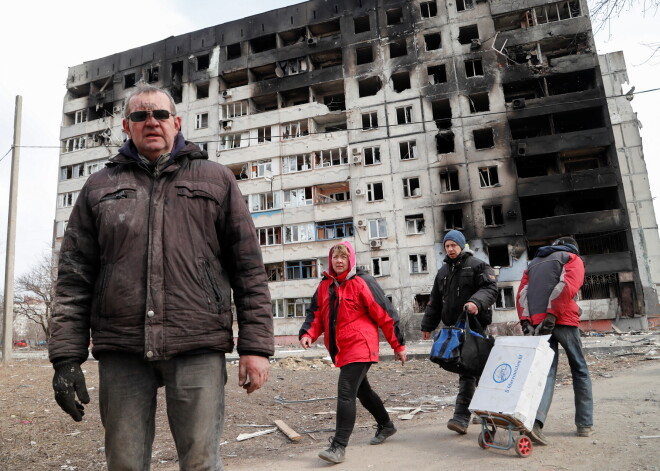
point(411, 414)
point(649, 436)
point(246, 436)
point(281, 400)
point(288, 431)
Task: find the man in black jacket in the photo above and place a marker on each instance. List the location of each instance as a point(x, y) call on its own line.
point(463, 282)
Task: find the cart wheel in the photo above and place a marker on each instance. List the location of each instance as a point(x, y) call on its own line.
point(485, 439)
point(523, 446)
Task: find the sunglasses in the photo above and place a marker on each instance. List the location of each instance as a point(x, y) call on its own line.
point(139, 116)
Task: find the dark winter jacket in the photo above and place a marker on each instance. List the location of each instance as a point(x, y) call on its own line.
point(550, 286)
point(350, 313)
point(458, 281)
point(149, 261)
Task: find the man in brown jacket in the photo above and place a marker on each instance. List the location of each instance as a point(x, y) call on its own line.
point(155, 245)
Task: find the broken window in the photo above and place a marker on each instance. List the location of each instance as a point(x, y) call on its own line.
point(203, 61)
point(74, 143)
point(394, 16)
point(442, 113)
point(331, 157)
point(580, 161)
point(264, 201)
point(437, 74)
point(602, 242)
point(375, 191)
point(327, 28)
point(493, 215)
point(72, 171)
point(269, 236)
point(401, 81)
point(230, 141)
point(334, 229)
point(483, 138)
point(275, 272)
point(325, 59)
point(300, 269)
point(453, 219)
point(479, 102)
point(553, 12)
point(505, 298)
point(237, 78)
point(462, 5)
point(263, 43)
point(578, 120)
point(264, 103)
point(296, 163)
point(603, 286)
point(361, 24)
point(449, 181)
point(202, 90)
point(233, 51)
point(335, 102)
point(467, 33)
point(411, 187)
point(420, 302)
point(429, 9)
point(176, 87)
point(404, 115)
point(432, 41)
point(295, 97)
point(80, 116)
point(260, 168)
point(533, 126)
point(67, 200)
point(398, 48)
point(264, 72)
point(264, 134)
point(297, 197)
point(369, 86)
point(152, 74)
point(408, 150)
point(377, 228)
point(473, 68)
point(364, 55)
point(498, 256)
point(369, 120)
point(371, 155)
point(415, 224)
point(380, 266)
point(201, 120)
point(488, 177)
point(293, 36)
point(129, 80)
point(417, 263)
point(295, 129)
point(234, 109)
point(60, 228)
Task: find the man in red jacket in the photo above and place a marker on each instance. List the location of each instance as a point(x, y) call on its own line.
point(546, 306)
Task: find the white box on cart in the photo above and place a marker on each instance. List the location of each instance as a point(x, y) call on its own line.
point(512, 383)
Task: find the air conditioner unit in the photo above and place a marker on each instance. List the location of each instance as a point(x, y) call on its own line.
point(357, 159)
point(361, 223)
point(475, 44)
point(375, 244)
point(518, 103)
point(360, 192)
point(226, 93)
point(363, 268)
point(356, 151)
point(227, 124)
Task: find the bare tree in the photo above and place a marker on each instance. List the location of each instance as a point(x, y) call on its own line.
point(35, 291)
point(604, 11)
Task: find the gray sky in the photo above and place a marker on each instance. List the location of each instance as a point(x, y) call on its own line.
point(41, 39)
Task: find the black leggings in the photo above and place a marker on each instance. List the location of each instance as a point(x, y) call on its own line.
point(353, 383)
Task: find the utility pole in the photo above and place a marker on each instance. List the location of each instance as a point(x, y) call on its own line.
point(8, 332)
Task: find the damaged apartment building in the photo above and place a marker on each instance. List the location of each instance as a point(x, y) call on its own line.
point(388, 123)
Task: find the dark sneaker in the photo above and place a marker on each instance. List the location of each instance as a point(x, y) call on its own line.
point(382, 433)
point(583, 431)
point(458, 425)
point(537, 434)
point(335, 454)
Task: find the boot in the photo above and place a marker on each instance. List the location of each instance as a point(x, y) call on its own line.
point(459, 423)
point(335, 454)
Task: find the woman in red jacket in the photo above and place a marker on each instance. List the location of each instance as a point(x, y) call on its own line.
point(349, 307)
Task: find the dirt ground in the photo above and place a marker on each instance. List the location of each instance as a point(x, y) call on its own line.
point(36, 435)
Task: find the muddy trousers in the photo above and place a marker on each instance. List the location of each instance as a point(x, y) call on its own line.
point(353, 383)
point(195, 397)
point(466, 388)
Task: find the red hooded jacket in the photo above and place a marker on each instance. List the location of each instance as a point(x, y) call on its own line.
point(349, 313)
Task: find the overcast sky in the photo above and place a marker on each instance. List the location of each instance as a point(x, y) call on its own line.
point(41, 39)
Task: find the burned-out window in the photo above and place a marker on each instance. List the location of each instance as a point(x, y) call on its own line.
point(462, 5)
point(301, 269)
point(375, 191)
point(467, 33)
point(417, 263)
point(404, 115)
point(361, 24)
point(201, 120)
point(603, 286)
point(420, 302)
point(453, 219)
point(129, 80)
point(483, 138)
point(364, 55)
point(202, 90)
point(441, 113)
point(408, 150)
point(432, 41)
point(233, 51)
point(411, 187)
point(275, 272)
point(473, 68)
point(444, 141)
point(479, 102)
point(415, 224)
point(203, 61)
point(398, 48)
point(371, 155)
point(429, 9)
point(449, 181)
point(505, 298)
point(488, 177)
point(498, 256)
point(394, 16)
point(380, 266)
point(493, 215)
point(152, 74)
point(401, 81)
point(269, 236)
point(437, 74)
point(263, 43)
point(369, 120)
point(369, 86)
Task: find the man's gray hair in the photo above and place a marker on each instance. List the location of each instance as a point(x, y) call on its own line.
point(147, 89)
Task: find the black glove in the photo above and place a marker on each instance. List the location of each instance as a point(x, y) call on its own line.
point(547, 326)
point(527, 327)
point(68, 381)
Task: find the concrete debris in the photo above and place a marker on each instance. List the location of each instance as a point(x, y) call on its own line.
point(246, 436)
point(281, 400)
